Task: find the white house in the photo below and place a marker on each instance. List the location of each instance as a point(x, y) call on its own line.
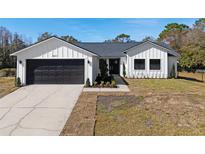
point(59, 62)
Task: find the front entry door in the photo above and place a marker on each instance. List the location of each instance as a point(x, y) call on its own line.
point(114, 66)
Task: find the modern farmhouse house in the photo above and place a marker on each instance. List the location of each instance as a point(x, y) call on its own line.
point(55, 61)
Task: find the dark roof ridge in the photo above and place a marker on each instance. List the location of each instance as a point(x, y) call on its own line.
point(108, 42)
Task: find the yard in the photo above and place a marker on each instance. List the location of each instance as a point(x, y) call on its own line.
point(193, 76)
point(153, 107)
point(7, 85)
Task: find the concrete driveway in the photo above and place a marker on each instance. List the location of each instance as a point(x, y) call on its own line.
point(37, 109)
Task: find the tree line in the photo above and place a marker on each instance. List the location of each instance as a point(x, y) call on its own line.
point(9, 43)
point(188, 41)
point(12, 42)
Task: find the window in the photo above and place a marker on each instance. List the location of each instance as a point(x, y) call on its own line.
point(154, 64)
point(139, 64)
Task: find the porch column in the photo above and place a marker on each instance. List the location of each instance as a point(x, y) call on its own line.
point(108, 67)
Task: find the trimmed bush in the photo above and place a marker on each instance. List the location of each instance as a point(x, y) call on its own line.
point(103, 68)
point(18, 82)
point(113, 83)
point(98, 79)
point(87, 84)
point(107, 84)
point(95, 84)
point(102, 83)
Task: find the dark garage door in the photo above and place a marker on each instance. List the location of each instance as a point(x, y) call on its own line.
point(50, 71)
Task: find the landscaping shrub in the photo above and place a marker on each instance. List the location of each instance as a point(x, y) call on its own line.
point(18, 82)
point(113, 83)
point(102, 83)
point(106, 78)
point(103, 68)
point(98, 79)
point(107, 84)
point(95, 84)
point(87, 84)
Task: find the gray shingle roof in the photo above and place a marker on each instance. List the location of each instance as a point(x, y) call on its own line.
point(107, 49)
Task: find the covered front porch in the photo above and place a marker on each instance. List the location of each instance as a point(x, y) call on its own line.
point(113, 65)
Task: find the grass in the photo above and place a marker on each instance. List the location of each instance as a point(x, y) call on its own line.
point(151, 86)
point(82, 119)
point(154, 107)
point(193, 76)
point(7, 85)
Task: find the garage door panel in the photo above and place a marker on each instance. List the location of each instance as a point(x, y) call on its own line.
point(50, 71)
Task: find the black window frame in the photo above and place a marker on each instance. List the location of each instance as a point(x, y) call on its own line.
point(151, 66)
point(143, 68)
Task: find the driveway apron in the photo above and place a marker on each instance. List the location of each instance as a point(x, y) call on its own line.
point(37, 109)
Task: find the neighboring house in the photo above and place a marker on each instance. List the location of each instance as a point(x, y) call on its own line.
point(57, 61)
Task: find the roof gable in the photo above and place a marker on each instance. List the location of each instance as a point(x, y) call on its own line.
point(48, 40)
point(163, 47)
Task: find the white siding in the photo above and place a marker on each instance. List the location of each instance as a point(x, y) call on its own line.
point(147, 52)
point(54, 49)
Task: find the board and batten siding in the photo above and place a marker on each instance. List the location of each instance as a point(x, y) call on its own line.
point(55, 49)
point(147, 52)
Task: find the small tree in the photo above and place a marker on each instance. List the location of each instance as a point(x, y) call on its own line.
point(103, 68)
point(124, 71)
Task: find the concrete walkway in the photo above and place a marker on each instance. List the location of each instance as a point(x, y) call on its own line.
point(37, 109)
point(121, 87)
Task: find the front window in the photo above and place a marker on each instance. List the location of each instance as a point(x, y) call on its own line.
point(139, 64)
point(155, 64)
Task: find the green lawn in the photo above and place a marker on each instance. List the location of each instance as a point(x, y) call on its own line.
point(154, 107)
